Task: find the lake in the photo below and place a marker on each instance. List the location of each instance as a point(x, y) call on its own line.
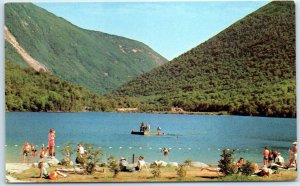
point(196, 137)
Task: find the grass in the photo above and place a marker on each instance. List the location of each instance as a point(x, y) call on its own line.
point(168, 175)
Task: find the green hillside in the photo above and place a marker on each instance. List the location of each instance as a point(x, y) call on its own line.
point(247, 69)
point(28, 90)
point(95, 60)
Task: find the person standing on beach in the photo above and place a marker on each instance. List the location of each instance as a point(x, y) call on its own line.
point(293, 155)
point(26, 152)
point(51, 142)
point(265, 154)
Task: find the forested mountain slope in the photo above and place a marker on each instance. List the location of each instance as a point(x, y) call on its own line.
point(95, 60)
point(29, 90)
point(248, 69)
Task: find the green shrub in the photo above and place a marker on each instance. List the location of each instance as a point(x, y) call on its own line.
point(156, 171)
point(188, 162)
point(226, 163)
point(247, 169)
point(113, 166)
point(181, 170)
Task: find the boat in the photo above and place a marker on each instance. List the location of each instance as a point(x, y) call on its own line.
point(148, 133)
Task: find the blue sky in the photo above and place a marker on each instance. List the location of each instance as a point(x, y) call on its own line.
point(170, 28)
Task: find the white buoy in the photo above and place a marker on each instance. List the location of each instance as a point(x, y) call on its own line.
point(219, 149)
point(120, 147)
point(130, 147)
point(170, 148)
point(110, 147)
point(5, 145)
point(159, 148)
point(179, 148)
point(150, 148)
point(16, 145)
point(57, 146)
point(140, 148)
point(189, 148)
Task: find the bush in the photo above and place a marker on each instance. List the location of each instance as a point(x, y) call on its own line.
point(181, 170)
point(90, 159)
point(113, 166)
point(247, 169)
point(226, 164)
point(156, 171)
point(188, 162)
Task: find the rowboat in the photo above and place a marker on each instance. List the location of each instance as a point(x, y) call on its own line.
point(148, 133)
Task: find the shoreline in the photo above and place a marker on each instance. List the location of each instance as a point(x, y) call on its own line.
point(221, 113)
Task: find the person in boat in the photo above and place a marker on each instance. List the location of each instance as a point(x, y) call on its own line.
point(142, 127)
point(26, 152)
point(158, 130)
point(147, 127)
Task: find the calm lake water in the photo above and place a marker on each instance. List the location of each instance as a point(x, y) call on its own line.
point(195, 137)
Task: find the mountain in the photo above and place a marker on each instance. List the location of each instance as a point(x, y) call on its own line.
point(94, 60)
point(247, 69)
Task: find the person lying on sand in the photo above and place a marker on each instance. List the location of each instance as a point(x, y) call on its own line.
point(124, 167)
point(77, 170)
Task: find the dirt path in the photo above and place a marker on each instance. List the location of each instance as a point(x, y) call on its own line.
point(22, 52)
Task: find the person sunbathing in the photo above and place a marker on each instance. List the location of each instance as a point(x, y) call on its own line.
point(140, 164)
point(124, 167)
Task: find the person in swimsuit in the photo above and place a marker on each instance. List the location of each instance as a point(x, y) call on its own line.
point(51, 142)
point(265, 154)
point(33, 150)
point(293, 156)
point(26, 152)
point(140, 164)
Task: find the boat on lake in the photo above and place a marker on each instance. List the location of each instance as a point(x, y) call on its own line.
point(148, 133)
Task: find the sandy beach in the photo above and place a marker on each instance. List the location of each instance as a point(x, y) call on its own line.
point(15, 168)
point(22, 172)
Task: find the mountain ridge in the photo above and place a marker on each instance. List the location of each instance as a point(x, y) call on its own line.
point(96, 60)
point(247, 69)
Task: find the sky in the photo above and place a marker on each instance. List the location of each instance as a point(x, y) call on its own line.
point(170, 28)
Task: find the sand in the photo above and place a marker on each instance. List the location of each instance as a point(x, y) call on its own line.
point(15, 168)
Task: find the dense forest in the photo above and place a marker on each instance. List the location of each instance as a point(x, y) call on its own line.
point(91, 59)
point(247, 69)
point(28, 90)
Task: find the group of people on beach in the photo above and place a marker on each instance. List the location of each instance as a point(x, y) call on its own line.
point(31, 150)
point(124, 165)
point(272, 156)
